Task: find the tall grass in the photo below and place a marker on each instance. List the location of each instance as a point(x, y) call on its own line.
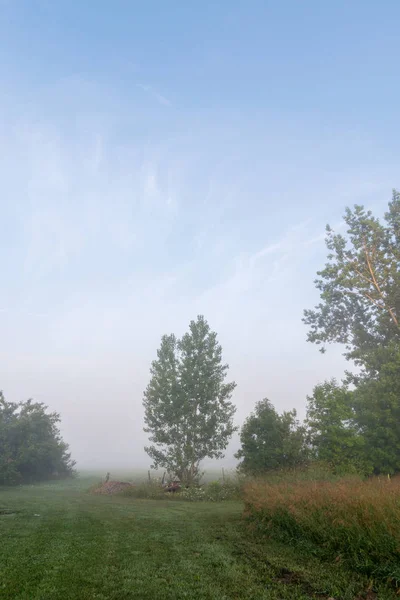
point(352, 521)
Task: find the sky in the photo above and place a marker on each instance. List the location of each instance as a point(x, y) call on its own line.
point(161, 160)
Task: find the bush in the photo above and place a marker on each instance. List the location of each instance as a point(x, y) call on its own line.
point(230, 489)
point(193, 493)
point(147, 490)
point(353, 521)
point(214, 491)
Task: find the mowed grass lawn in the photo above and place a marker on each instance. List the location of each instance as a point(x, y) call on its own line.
point(58, 542)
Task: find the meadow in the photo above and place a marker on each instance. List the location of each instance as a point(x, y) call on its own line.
point(60, 542)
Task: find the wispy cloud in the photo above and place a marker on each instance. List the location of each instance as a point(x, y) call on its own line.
point(154, 93)
point(278, 257)
point(74, 203)
point(270, 249)
point(253, 275)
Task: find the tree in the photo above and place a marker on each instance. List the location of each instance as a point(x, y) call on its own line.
point(188, 412)
point(31, 448)
point(271, 441)
point(360, 307)
point(360, 285)
point(376, 401)
point(334, 434)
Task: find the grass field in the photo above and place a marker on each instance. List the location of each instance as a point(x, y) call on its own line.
point(59, 543)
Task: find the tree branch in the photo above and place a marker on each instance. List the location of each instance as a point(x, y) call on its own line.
point(376, 284)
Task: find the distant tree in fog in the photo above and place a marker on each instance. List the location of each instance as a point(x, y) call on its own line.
point(31, 447)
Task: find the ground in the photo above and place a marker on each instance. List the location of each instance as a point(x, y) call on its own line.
point(59, 543)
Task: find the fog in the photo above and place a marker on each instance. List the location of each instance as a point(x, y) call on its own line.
point(132, 201)
point(99, 397)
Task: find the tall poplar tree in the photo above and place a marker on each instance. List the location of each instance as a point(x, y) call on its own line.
point(188, 408)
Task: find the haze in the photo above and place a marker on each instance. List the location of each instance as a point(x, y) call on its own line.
point(163, 160)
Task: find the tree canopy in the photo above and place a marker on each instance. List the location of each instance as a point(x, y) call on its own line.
point(333, 432)
point(188, 412)
point(271, 441)
point(360, 308)
point(360, 284)
point(31, 447)
point(376, 402)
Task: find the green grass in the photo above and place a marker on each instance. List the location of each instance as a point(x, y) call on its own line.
point(60, 543)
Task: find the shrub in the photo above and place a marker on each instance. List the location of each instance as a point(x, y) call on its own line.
point(217, 491)
point(230, 489)
point(150, 490)
point(192, 494)
point(214, 491)
point(354, 521)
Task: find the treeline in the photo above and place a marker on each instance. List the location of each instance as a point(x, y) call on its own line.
point(353, 426)
point(31, 447)
point(350, 431)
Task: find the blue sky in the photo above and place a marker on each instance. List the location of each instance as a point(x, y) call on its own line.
point(160, 160)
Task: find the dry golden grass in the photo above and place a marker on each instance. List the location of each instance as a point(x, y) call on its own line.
point(357, 522)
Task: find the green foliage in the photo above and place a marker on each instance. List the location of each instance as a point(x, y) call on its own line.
point(356, 431)
point(376, 402)
point(334, 435)
point(360, 284)
point(188, 412)
point(360, 307)
point(230, 489)
point(271, 441)
point(31, 448)
point(214, 491)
